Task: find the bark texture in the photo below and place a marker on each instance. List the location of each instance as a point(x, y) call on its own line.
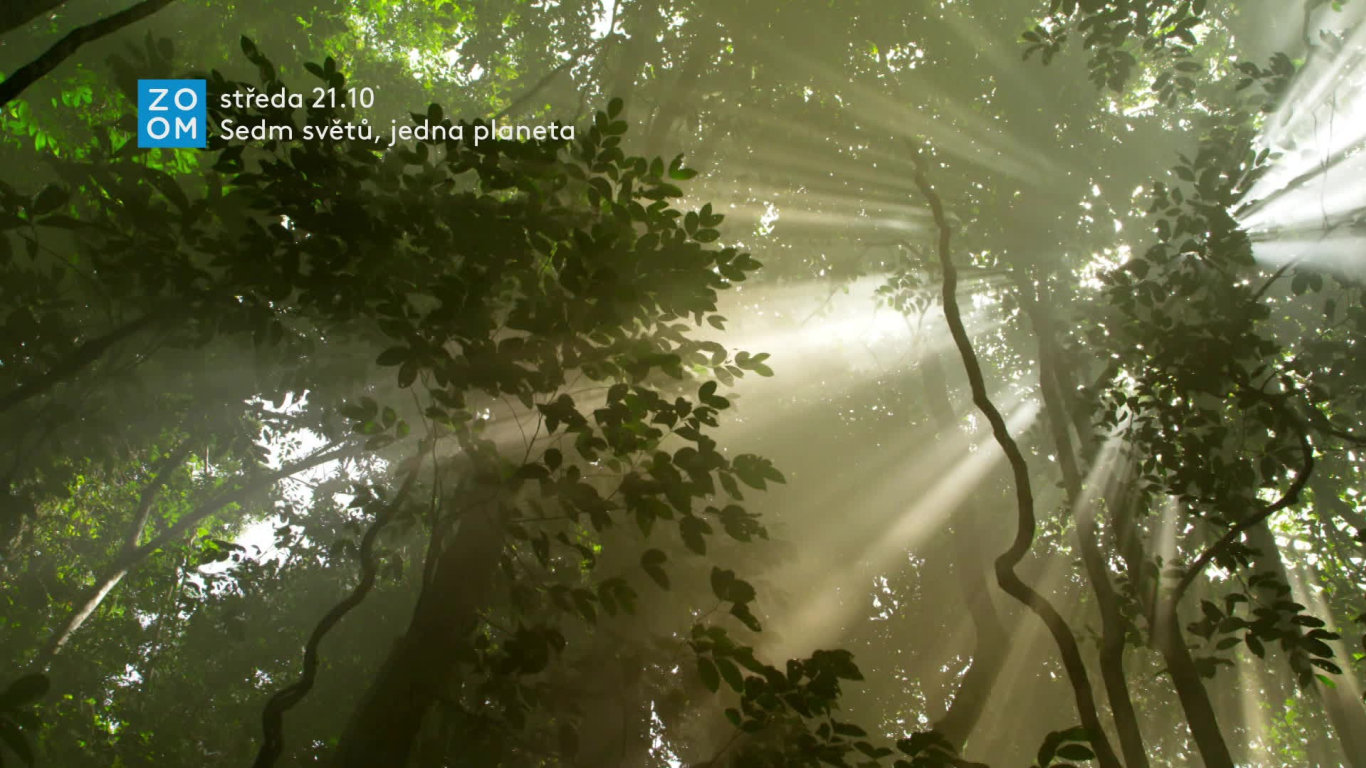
point(384, 727)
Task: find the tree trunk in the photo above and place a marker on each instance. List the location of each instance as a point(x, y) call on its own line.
point(126, 558)
point(615, 725)
point(1166, 636)
point(685, 85)
point(1112, 644)
point(384, 727)
point(1190, 689)
point(642, 26)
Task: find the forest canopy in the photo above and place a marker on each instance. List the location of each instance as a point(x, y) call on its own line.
point(638, 383)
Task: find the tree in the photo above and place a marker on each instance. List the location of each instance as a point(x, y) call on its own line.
point(1173, 453)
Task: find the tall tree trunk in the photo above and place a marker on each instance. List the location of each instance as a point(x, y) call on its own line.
point(384, 727)
point(615, 725)
point(1112, 644)
point(1165, 632)
point(681, 94)
point(641, 26)
point(1190, 689)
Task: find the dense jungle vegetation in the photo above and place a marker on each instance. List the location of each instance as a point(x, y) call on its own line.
point(863, 383)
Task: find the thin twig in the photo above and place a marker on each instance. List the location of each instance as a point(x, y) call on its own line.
point(1291, 496)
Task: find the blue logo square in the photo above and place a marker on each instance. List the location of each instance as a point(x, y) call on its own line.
point(172, 113)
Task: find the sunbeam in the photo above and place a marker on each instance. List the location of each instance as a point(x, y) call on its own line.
point(1307, 207)
point(822, 617)
point(968, 138)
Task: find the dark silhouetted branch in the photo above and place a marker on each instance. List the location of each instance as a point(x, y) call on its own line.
point(17, 13)
point(33, 71)
point(1291, 496)
point(272, 717)
point(968, 561)
point(1024, 494)
point(73, 363)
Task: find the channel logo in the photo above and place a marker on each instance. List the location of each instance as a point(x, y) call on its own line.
point(172, 113)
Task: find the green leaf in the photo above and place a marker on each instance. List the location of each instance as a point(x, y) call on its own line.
point(24, 690)
point(653, 563)
point(14, 739)
point(849, 729)
point(709, 674)
point(49, 200)
point(1076, 752)
point(1048, 749)
point(742, 612)
point(583, 601)
point(731, 674)
point(721, 581)
point(693, 530)
point(732, 487)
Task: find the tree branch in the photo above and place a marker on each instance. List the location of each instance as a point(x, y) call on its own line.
point(82, 356)
point(16, 13)
point(33, 71)
point(160, 475)
point(529, 93)
point(1024, 495)
point(272, 717)
point(131, 558)
point(969, 572)
point(1291, 496)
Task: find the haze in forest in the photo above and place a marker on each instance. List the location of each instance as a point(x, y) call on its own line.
point(860, 383)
